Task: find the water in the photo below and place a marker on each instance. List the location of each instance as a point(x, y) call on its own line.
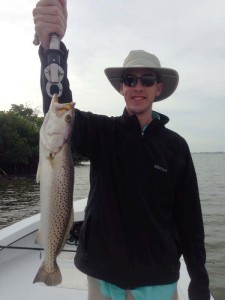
point(19, 198)
point(210, 170)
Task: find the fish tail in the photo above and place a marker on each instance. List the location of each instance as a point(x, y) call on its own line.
point(50, 278)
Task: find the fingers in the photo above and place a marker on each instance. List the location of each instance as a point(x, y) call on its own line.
point(50, 16)
point(64, 8)
point(61, 4)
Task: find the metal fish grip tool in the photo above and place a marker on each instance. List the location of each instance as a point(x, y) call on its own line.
point(54, 73)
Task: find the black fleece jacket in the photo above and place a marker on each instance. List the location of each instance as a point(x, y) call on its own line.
point(143, 209)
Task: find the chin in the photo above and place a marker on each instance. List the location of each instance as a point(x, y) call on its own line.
point(137, 110)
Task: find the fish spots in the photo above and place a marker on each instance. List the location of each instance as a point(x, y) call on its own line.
point(56, 190)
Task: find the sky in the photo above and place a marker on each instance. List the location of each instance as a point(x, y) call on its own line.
point(186, 35)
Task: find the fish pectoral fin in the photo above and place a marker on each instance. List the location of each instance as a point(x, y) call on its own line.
point(39, 239)
point(38, 174)
point(71, 221)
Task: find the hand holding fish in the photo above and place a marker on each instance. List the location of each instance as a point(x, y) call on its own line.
point(50, 16)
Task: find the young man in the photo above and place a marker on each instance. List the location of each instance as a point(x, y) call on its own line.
point(143, 209)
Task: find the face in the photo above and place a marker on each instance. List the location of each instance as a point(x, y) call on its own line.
point(139, 98)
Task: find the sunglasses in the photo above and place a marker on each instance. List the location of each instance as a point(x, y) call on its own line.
point(146, 80)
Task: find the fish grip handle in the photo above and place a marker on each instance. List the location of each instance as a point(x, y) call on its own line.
point(54, 72)
point(54, 56)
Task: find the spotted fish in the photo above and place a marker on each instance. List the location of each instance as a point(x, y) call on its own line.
point(56, 176)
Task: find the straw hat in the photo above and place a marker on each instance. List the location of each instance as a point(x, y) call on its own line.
point(140, 59)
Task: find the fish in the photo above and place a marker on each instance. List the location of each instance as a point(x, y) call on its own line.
point(56, 177)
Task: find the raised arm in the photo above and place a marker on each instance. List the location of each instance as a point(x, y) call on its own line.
point(50, 16)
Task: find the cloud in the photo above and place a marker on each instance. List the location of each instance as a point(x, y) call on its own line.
point(185, 35)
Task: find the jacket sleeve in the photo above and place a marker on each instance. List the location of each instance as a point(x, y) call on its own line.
point(189, 223)
point(66, 94)
point(91, 133)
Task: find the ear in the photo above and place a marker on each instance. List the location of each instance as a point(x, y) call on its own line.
point(159, 89)
point(121, 89)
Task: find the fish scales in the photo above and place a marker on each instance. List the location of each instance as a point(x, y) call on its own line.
point(56, 176)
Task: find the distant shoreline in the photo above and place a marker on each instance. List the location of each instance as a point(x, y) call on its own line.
point(208, 152)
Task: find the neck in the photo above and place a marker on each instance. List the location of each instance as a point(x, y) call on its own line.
point(143, 118)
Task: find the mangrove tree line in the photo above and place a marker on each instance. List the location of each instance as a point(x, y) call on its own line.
point(19, 141)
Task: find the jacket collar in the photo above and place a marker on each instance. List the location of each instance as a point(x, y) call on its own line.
point(158, 118)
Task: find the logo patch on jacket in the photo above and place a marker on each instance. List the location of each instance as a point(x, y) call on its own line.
point(160, 168)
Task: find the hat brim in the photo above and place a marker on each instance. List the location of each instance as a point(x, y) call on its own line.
point(169, 78)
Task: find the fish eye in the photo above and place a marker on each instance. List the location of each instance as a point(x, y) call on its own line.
point(68, 118)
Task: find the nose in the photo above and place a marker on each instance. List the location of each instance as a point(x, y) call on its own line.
point(138, 85)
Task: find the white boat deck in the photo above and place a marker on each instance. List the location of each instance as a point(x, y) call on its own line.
point(18, 267)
